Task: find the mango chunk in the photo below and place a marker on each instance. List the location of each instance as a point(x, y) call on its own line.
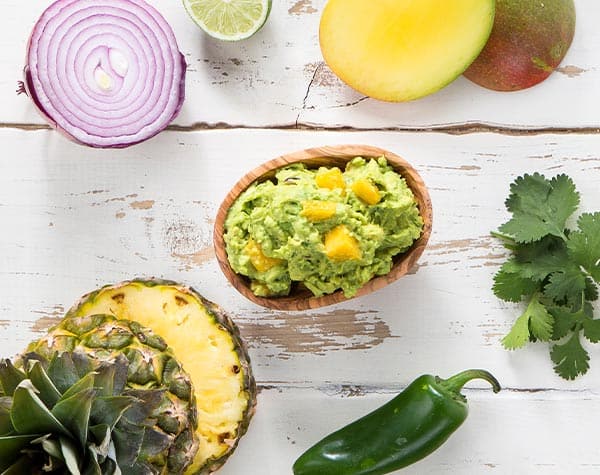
point(366, 191)
point(318, 210)
point(330, 178)
point(260, 261)
point(340, 245)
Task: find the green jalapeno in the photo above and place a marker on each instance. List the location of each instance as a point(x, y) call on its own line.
point(406, 429)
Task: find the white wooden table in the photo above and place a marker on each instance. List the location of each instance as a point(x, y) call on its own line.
point(73, 219)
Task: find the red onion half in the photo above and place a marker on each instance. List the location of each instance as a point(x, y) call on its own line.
point(107, 73)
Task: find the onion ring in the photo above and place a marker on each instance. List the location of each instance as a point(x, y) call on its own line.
point(106, 73)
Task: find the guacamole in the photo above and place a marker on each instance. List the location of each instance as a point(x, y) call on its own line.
point(325, 228)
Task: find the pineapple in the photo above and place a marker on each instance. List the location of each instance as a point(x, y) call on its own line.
point(152, 365)
point(73, 413)
point(209, 346)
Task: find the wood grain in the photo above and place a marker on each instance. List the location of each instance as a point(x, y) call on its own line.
point(339, 156)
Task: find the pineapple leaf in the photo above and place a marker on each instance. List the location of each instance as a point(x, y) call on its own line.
point(101, 433)
point(10, 448)
point(69, 451)
point(148, 401)
point(62, 372)
point(155, 442)
point(46, 389)
point(10, 377)
point(19, 467)
point(51, 447)
point(112, 378)
point(74, 414)
point(92, 467)
point(5, 423)
point(128, 439)
point(29, 415)
point(85, 383)
point(108, 410)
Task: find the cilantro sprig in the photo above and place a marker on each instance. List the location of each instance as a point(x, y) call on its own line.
point(553, 268)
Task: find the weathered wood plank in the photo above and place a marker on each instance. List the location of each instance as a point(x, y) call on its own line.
point(278, 78)
point(74, 219)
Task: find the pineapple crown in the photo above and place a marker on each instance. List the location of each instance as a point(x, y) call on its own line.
point(72, 414)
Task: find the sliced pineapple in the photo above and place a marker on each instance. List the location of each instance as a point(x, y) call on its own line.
point(209, 346)
point(318, 210)
point(366, 191)
point(340, 245)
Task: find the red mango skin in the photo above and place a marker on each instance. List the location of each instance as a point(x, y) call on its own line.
point(529, 40)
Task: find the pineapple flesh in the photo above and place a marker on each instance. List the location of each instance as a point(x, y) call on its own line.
point(151, 366)
point(210, 348)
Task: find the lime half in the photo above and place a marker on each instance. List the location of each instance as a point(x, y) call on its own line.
point(229, 20)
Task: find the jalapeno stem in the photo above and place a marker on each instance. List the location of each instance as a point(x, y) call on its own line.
point(457, 382)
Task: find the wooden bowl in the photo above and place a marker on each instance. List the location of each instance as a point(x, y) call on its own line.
point(302, 298)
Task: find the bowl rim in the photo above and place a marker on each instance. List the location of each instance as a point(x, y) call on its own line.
point(314, 156)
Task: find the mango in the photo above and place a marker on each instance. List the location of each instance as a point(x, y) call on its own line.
point(529, 40)
point(400, 50)
point(366, 191)
point(340, 245)
point(260, 261)
point(318, 210)
point(330, 178)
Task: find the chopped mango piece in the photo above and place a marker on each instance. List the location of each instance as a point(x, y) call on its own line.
point(318, 210)
point(340, 245)
point(331, 178)
point(366, 191)
point(259, 260)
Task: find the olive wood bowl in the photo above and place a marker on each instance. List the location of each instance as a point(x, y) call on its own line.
point(300, 297)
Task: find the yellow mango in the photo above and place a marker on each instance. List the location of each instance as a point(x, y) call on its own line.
point(318, 210)
point(330, 178)
point(340, 245)
point(366, 191)
point(400, 50)
point(259, 260)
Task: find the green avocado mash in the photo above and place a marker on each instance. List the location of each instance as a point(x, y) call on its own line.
point(323, 228)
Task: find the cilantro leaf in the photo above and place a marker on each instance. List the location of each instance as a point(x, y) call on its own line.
point(540, 207)
point(591, 330)
point(525, 228)
point(512, 287)
point(591, 291)
point(540, 320)
point(518, 335)
point(571, 359)
point(563, 200)
point(556, 268)
point(566, 286)
point(565, 319)
point(536, 322)
point(564, 322)
point(584, 244)
point(539, 259)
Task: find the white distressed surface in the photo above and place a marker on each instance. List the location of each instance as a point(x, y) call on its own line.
point(73, 219)
point(505, 433)
point(278, 78)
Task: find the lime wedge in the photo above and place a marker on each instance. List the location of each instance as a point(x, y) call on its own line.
point(229, 20)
